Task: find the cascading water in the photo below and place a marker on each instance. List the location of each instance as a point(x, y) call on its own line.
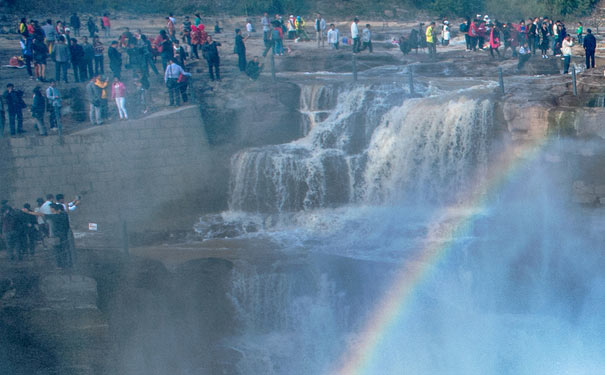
point(370, 147)
point(375, 182)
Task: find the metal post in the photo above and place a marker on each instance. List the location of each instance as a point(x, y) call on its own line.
point(501, 80)
point(125, 246)
point(355, 67)
point(411, 79)
point(273, 66)
point(573, 78)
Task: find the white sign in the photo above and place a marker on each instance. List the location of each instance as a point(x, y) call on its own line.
point(92, 226)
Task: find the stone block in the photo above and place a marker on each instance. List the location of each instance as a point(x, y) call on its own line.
point(600, 190)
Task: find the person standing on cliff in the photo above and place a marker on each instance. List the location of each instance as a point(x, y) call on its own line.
point(590, 45)
point(431, 39)
point(464, 26)
point(566, 51)
point(12, 231)
point(54, 101)
point(320, 29)
point(38, 109)
point(14, 104)
point(240, 49)
point(115, 59)
point(171, 77)
point(333, 36)
point(62, 57)
point(93, 93)
point(355, 35)
point(87, 61)
point(266, 26)
point(106, 24)
point(210, 53)
point(59, 235)
point(75, 23)
point(118, 93)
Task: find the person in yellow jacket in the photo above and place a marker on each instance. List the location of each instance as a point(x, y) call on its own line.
point(300, 30)
point(430, 40)
point(102, 83)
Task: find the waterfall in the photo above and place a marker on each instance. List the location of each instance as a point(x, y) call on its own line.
point(426, 148)
point(365, 143)
point(323, 168)
point(316, 102)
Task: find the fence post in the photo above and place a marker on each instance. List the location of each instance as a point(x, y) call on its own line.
point(354, 67)
point(573, 78)
point(273, 66)
point(501, 80)
point(411, 79)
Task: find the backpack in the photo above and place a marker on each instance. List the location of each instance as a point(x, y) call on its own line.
point(463, 27)
point(275, 34)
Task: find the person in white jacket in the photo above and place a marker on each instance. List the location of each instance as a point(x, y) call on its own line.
point(355, 35)
point(566, 51)
point(333, 36)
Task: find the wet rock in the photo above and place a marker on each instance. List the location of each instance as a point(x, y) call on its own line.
point(526, 121)
point(583, 193)
point(69, 292)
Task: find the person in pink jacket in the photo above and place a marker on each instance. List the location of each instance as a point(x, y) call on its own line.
point(118, 92)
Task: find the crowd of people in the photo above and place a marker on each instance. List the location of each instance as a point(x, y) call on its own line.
point(524, 39)
point(83, 57)
point(47, 225)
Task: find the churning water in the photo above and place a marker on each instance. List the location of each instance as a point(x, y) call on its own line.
point(516, 285)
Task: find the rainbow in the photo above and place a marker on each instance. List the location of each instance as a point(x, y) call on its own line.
point(360, 354)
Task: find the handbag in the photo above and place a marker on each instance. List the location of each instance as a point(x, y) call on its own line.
point(182, 78)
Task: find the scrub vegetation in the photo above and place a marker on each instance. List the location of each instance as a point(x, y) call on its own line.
point(378, 8)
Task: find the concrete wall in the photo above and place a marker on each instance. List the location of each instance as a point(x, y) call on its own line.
point(158, 172)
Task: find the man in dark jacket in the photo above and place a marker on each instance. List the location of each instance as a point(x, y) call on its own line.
point(77, 60)
point(74, 22)
point(59, 229)
point(14, 104)
point(167, 52)
point(89, 55)
point(13, 231)
point(115, 59)
point(590, 45)
point(210, 53)
point(240, 50)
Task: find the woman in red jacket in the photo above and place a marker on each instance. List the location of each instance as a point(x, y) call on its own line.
point(118, 92)
point(196, 37)
point(473, 34)
point(203, 34)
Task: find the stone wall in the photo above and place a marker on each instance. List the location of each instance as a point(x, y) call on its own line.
point(158, 173)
